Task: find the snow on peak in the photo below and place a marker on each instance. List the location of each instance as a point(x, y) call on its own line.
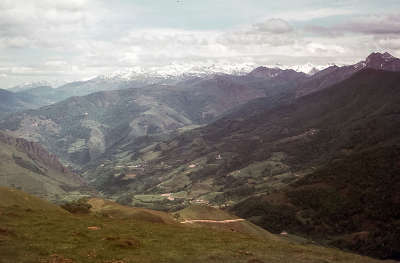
point(180, 70)
point(307, 68)
point(30, 85)
point(175, 70)
point(360, 65)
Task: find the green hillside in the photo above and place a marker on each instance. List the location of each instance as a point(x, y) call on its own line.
point(32, 230)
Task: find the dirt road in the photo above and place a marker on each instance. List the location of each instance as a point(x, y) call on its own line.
point(212, 221)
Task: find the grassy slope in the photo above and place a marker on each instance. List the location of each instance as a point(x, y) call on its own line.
point(35, 231)
point(116, 210)
point(204, 212)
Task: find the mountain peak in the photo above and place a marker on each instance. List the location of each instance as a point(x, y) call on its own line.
point(383, 61)
point(265, 72)
point(380, 56)
point(387, 55)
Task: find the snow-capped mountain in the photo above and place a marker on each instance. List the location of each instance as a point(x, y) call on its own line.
point(177, 71)
point(308, 68)
point(173, 73)
point(36, 84)
point(30, 85)
point(167, 74)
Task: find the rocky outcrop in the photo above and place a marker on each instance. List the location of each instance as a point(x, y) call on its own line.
point(35, 151)
point(383, 61)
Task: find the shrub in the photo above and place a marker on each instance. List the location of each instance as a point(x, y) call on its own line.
point(77, 207)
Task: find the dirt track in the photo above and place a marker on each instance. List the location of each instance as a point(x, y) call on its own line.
point(212, 221)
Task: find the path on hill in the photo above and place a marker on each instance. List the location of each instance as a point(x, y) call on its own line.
point(212, 221)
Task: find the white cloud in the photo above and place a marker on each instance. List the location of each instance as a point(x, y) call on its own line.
point(389, 42)
point(81, 38)
point(314, 13)
point(274, 26)
point(376, 24)
point(371, 24)
point(29, 23)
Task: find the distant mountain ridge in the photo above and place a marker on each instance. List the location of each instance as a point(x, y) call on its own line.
point(268, 73)
point(334, 74)
point(37, 96)
point(30, 85)
point(81, 129)
point(12, 102)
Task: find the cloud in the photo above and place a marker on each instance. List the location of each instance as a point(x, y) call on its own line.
point(30, 23)
point(388, 43)
point(76, 39)
point(312, 13)
point(270, 33)
point(274, 26)
point(372, 24)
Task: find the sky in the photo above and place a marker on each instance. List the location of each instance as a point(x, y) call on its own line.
point(65, 40)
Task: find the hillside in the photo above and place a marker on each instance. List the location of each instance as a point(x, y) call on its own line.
point(238, 157)
point(231, 141)
point(29, 167)
point(82, 129)
point(214, 218)
point(33, 98)
point(350, 203)
point(334, 74)
point(12, 102)
point(35, 231)
point(44, 95)
point(335, 121)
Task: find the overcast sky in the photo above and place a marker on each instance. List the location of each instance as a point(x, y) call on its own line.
point(77, 39)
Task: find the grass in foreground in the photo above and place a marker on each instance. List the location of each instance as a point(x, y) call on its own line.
point(32, 230)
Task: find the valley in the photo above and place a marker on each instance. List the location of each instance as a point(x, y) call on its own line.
point(199, 131)
point(313, 156)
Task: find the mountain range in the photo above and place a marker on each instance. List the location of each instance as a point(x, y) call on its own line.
point(313, 155)
point(80, 129)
